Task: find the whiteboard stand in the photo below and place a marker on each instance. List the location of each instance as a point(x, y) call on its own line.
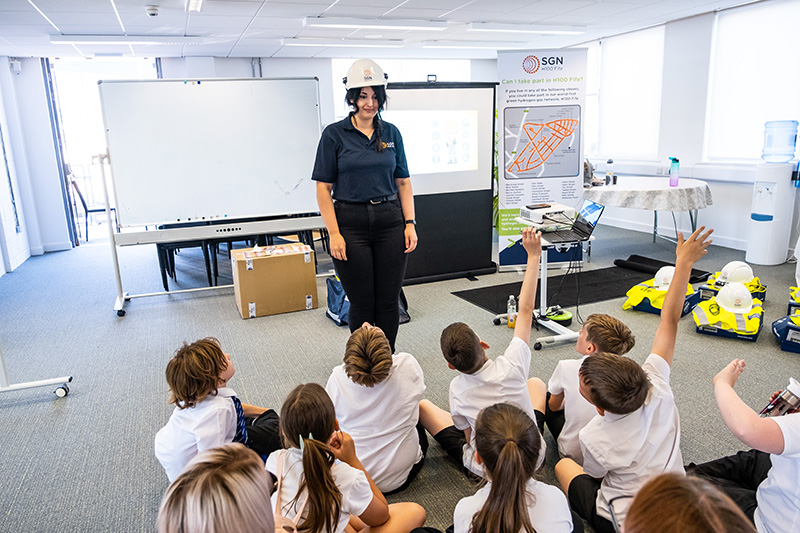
point(61, 391)
point(285, 225)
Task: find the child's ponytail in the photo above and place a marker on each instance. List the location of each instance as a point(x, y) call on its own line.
point(509, 444)
point(307, 422)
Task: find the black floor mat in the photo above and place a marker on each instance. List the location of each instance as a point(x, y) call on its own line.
point(651, 266)
point(591, 286)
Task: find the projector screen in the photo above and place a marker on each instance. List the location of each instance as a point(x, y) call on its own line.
point(448, 133)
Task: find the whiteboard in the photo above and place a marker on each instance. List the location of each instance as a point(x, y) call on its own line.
point(211, 150)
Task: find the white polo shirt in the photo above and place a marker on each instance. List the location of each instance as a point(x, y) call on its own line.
point(548, 508)
point(210, 423)
point(503, 380)
point(626, 450)
point(577, 411)
point(778, 496)
point(352, 483)
point(382, 419)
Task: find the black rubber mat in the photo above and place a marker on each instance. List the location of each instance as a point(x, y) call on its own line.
point(583, 287)
point(651, 266)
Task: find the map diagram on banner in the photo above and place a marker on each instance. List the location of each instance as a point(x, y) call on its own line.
point(542, 142)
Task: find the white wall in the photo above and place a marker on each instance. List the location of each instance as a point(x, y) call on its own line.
point(41, 188)
point(14, 247)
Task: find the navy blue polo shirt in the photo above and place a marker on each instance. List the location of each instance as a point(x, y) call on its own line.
point(359, 173)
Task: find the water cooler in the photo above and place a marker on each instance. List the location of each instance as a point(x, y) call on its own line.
point(773, 197)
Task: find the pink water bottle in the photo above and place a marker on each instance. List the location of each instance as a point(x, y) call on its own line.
point(674, 171)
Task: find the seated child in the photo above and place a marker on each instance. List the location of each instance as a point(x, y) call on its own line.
point(672, 503)
point(764, 480)
point(322, 485)
point(376, 396)
point(207, 413)
point(637, 434)
point(509, 445)
point(567, 411)
point(232, 477)
point(483, 382)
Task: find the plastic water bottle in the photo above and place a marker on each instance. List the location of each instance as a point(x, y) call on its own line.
point(511, 308)
point(609, 171)
point(780, 140)
point(674, 171)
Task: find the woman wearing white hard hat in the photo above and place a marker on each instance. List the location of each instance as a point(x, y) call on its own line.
point(364, 196)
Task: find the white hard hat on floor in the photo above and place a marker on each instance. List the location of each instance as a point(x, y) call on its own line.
point(735, 298)
point(365, 73)
point(735, 271)
point(664, 277)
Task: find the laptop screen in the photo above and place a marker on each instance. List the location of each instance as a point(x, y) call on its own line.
point(588, 215)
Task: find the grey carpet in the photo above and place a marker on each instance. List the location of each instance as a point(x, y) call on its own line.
point(85, 462)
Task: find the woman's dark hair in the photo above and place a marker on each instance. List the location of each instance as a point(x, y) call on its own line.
point(308, 414)
point(509, 444)
point(380, 93)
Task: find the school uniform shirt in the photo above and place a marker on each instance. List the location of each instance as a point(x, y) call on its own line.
point(503, 380)
point(577, 411)
point(359, 173)
point(778, 496)
point(626, 450)
point(210, 423)
point(548, 508)
point(382, 419)
point(352, 483)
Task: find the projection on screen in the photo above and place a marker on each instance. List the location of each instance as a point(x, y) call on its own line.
point(437, 141)
point(542, 142)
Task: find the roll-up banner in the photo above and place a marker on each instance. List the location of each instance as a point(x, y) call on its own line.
point(541, 103)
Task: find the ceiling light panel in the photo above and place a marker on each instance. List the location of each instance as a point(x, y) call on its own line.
point(524, 28)
point(376, 24)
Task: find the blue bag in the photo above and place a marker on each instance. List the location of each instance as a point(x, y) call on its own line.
point(338, 303)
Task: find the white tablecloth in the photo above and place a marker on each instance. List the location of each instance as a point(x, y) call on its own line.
point(652, 193)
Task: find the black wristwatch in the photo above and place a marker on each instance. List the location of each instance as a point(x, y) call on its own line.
point(411, 221)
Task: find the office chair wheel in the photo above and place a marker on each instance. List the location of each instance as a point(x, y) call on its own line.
point(120, 312)
point(62, 391)
point(496, 321)
point(537, 346)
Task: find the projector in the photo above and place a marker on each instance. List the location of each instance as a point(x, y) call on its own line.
point(543, 214)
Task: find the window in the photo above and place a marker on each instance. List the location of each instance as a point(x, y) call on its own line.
point(629, 95)
point(754, 77)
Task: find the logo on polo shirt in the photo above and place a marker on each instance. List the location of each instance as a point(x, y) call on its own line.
point(388, 145)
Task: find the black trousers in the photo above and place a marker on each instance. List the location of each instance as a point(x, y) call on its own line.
point(738, 476)
point(372, 276)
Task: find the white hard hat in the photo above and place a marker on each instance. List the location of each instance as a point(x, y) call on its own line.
point(664, 277)
point(735, 271)
point(735, 298)
point(365, 73)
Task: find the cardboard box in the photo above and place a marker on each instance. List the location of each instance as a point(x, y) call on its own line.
point(274, 279)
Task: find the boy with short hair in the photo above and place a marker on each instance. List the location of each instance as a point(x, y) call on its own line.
point(637, 434)
point(567, 411)
point(376, 396)
point(483, 382)
point(207, 412)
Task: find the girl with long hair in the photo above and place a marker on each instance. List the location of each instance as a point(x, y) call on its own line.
point(508, 445)
point(321, 478)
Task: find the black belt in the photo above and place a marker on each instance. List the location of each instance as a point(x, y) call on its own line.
point(374, 201)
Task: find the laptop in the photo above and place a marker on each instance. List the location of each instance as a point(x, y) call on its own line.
point(582, 227)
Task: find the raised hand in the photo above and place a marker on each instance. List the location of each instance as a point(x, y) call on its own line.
point(730, 374)
point(693, 247)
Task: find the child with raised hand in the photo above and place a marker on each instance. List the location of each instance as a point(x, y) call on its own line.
point(567, 411)
point(224, 490)
point(320, 476)
point(637, 434)
point(483, 382)
point(376, 395)
point(207, 412)
point(764, 480)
